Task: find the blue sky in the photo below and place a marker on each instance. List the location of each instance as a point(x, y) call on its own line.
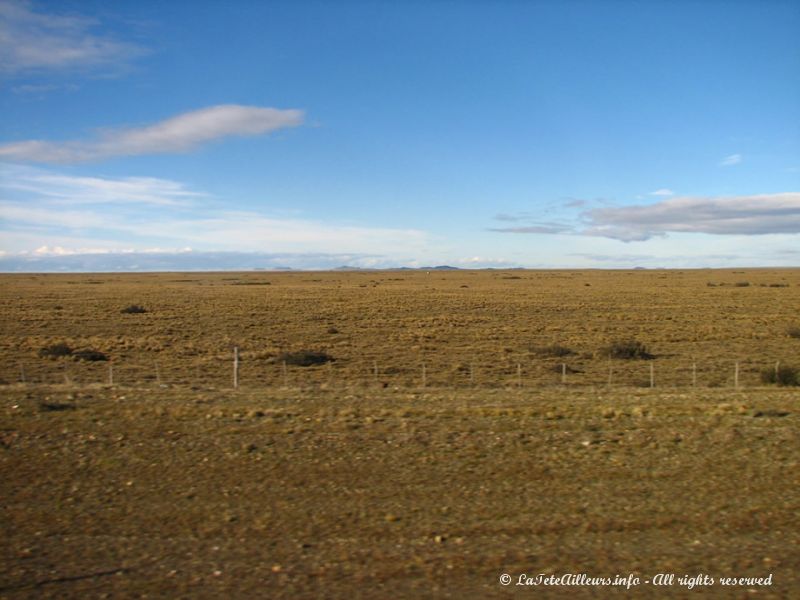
point(138, 135)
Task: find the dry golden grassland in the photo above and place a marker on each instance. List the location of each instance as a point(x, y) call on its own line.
point(469, 328)
point(331, 482)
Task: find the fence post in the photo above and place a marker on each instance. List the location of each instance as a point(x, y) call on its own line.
point(519, 375)
point(375, 371)
point(652, 375)
point(736, 376)
point(563, 373)
point(694, 374)
point(236, 367)
point(424, 376)
point(110, 374)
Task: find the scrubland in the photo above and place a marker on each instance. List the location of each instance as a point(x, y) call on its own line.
point(519, 447)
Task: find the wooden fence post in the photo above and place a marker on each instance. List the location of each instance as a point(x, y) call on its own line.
point(236, 367)
point(652, 375)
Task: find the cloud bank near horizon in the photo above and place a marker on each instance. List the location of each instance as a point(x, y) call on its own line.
point(180, 133)
point(758, 214)
point(91, 215)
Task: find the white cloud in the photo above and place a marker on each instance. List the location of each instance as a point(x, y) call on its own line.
point(729, 161)
point(74, 190)
point(40, 89)
point(177, 134)
point(735, 215)
point(43, 208)
point(33, 41)
point(662, 192)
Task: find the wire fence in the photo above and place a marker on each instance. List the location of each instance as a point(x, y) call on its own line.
point(236, 371)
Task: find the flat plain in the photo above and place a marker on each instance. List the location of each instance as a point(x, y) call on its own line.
point(470, 424)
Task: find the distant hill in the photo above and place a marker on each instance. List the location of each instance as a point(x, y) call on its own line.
point(440, 268)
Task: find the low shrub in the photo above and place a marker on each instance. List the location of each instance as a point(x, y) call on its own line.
point(133, 309)
point(783, 375)
point(90, 355)
point(305, 358)
point(628, 350)
point(555, 350)
point(55, 350)
point(793, 331)
point(742, 284)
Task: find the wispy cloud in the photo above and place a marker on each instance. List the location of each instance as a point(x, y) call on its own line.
point(177, 134)
point(43, 208)
point(33, 89)
point(32, 41)
point(532, 224)
point(180, 259)
point(75, 190)
point(729, 161)
point(515, 218)
point(542, 228)
point(735, 215)
point(662, 192)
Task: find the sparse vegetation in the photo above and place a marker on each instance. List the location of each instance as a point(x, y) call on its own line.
point(783, 375)
point(150, 447)
point(55, 350)
point(555, 350)
point(793, 332)
point(628, 350)
point(89, 355)
point(305, 358)
point(742, 284)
